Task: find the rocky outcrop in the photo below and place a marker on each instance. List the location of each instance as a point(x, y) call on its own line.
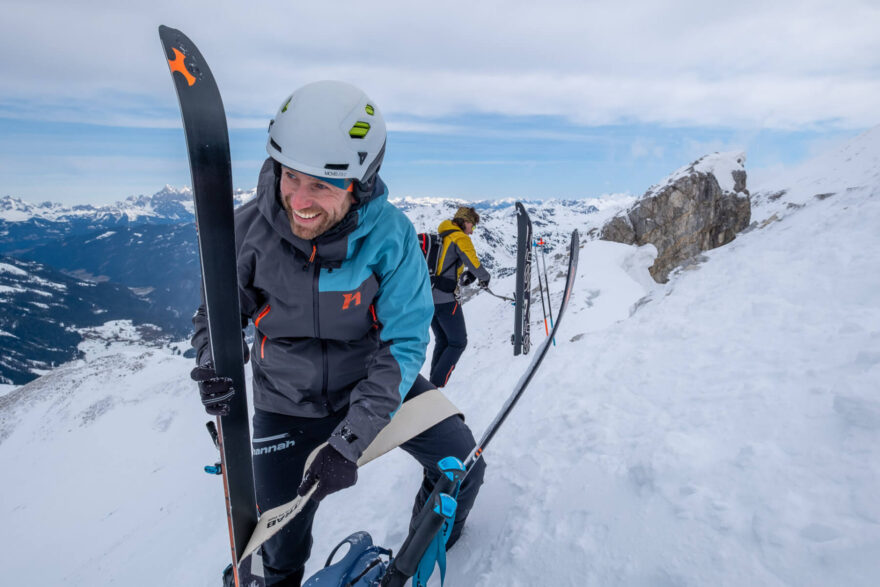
point(699, 207)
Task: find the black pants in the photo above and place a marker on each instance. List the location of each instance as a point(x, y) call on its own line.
point(282, 444)
point(450, 340)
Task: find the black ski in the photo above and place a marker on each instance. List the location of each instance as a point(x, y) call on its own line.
point(428, 522)
point(521, 338)
point(207, 140)
point(523, 382)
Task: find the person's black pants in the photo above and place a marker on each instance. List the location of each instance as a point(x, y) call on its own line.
point(282, 444)
point(450, 340)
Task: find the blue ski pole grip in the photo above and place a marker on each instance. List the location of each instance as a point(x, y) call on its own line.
point(446, 507)
point(435, 554)
point(427, 524)
point(452, 469)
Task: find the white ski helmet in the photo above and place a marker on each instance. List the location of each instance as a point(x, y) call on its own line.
point(329, 129)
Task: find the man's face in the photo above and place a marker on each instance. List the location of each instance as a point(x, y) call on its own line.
point(313, 206)
point(468, 227)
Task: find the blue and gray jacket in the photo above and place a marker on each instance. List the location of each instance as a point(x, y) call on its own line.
point(341, 321)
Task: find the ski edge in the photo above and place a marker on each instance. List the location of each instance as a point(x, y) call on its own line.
point(525, 379)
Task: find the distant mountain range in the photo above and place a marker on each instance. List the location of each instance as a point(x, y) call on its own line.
point(143, 254)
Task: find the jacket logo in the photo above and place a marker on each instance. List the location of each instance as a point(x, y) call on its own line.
point(351, 297)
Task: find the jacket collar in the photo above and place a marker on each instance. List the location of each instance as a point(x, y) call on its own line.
point(449, 227)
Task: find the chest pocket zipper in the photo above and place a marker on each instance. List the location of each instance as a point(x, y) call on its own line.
point(262, 315)
point(373, 314)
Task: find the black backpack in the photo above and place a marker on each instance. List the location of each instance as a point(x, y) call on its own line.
point(431, 243)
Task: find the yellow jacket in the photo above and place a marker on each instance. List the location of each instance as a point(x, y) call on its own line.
point(457, 253)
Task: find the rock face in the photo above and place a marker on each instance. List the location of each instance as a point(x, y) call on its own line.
point(699, 207)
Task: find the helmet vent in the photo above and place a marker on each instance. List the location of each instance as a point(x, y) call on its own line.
point(362, 155)
point(359, 130)
point(370, 110)
point(274, 144)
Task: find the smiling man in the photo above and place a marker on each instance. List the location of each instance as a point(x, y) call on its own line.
point(333, 279)
point(313, 205)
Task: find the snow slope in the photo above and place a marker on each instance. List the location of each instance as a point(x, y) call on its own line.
point(854, 168)
point(721, 429)
point(725, 434)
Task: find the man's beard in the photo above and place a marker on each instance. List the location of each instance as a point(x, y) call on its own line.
point(326, 222)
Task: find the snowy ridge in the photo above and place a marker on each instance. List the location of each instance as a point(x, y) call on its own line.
point(720, 165)
point(12, 269)
point(854, 168)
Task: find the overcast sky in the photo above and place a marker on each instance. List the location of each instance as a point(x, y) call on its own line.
point(483, 98)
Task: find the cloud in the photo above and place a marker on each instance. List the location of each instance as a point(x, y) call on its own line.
point(642, 148)
point(787, 64)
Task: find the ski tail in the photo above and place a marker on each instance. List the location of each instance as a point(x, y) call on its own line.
point(521, 335)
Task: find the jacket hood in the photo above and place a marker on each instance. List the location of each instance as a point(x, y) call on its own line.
point(331, 247)
point(444, 226)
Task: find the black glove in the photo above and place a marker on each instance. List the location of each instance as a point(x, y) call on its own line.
point(467, 278)
point(331, 471)
point(216, 391)
point(484, 283)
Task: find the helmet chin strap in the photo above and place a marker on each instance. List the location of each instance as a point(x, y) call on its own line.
point(362, 191)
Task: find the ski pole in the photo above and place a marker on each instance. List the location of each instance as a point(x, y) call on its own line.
point(491, 293)
point(547, 282)
point(429, 520)
point(521, 385)
point(541, 289)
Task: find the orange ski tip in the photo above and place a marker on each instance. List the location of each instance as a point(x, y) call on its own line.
point(177, 65)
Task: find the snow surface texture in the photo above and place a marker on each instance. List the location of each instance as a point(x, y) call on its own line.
point(721, 429)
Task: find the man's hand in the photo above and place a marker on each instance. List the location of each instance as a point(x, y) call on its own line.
point(484, 283)
point(331, 471)
point(216, 391)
